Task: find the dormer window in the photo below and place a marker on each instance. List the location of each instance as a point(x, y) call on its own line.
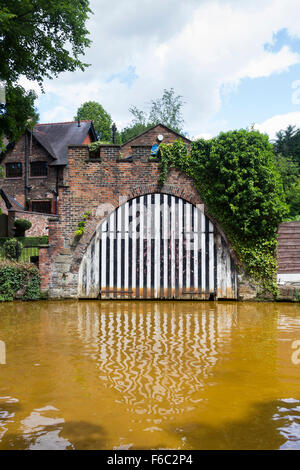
point(14, 170)
point(38, 169)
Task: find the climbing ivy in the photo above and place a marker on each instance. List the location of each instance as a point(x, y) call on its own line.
point(236, 177)
point(20, 280)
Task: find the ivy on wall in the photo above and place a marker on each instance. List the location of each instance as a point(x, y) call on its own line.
point(19, 280)
point(236, 177)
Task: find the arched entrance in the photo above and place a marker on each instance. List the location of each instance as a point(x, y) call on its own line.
point(157, 246)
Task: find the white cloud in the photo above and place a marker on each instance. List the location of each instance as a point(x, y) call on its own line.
point(195, 46)
point(279, 122)
point(268, 63)
point(57, 114)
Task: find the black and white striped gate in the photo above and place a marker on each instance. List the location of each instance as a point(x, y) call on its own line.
point(157, 246)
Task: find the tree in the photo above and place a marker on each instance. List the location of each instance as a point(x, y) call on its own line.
point(287, 159)
point(240, 183)
point(132, 131)
point(101, 119)
point(166, 110)
point(39, 39)
point(287, 143)
point(18, 112)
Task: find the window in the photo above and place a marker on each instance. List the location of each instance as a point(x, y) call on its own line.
point(14, 170)
point(41, 206)
point(38, 169)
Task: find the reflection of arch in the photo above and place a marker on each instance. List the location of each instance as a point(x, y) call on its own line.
point(2, 352)
point(156, 356)
point(157, 246)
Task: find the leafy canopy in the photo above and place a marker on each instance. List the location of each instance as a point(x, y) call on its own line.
point(101, 119)
point(290, 174)
point(38, 39)
point(287, 159)
point(287, 143)
point(236, 177)
point(166, 110)
point(41, 38)
point(18, 112)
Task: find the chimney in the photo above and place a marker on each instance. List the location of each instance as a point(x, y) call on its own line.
point(78, 122)
point(114, 131)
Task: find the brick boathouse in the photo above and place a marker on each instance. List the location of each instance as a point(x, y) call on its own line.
point(141, 239)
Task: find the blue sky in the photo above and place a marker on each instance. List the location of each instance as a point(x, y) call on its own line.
point(234, 62)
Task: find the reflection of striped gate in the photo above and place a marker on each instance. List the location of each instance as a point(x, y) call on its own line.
point(157, 246)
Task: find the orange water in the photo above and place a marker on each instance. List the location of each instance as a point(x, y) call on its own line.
point(148, 375)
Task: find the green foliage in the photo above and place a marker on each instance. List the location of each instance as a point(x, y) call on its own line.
point(18, 112)
point(236, 177)
point(132, 131)
point(38, 40)
point(289, 171)
point(287, 143)
point(166, 110)
point(287, 153)
point(94, 146)
point(81, 225)
point(28, 241)
point(21, 226)
point(42, 38)
point(20, 280)
point(101, 119)
point(12, 249)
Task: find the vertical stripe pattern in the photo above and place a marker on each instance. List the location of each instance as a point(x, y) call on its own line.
point(157, 246)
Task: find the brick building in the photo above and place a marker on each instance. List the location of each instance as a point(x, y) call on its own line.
point(151, 138)
point(116, 184)
point(36, 165)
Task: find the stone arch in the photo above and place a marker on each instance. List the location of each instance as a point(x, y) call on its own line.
point(186, 192)
point(215, 252)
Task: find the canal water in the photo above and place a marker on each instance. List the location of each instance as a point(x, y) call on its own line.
point(149, 375)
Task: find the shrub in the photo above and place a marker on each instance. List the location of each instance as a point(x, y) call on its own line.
point(81, 225)
point(12, 249)
point(19, 280)
point(21, 226)
point(236, 177)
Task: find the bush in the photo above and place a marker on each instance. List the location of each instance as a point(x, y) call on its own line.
point(21, 226)
point(19, 280)
point(28, 241)
point(12, 249)
point(236, 177)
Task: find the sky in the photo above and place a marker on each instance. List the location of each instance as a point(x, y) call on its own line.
point(236, 63)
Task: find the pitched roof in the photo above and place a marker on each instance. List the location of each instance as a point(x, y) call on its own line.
point(56, 137)
point(153, 127)
point(10, 201)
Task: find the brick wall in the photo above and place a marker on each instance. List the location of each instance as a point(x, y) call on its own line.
point(40, 224)
point(149, 138)
point(99, 186)
point(41, 186)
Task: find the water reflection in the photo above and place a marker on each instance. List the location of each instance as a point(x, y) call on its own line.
point(104, 375)
point(157, 360)
point(41, 430)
